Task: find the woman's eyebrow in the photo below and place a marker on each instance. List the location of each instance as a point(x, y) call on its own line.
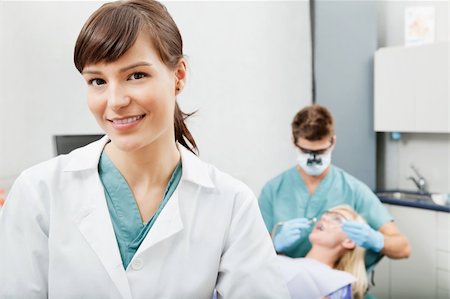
point(93, 72)
point(131, 66)
point(124, 69)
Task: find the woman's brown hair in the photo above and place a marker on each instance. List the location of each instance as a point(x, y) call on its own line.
point(313, 123)
point(113, 29)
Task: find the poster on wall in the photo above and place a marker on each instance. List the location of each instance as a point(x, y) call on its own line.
point(419, 25)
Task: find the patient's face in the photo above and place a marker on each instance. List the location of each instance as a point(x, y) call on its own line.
point(327, 231)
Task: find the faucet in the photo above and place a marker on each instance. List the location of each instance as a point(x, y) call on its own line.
point(420, 181)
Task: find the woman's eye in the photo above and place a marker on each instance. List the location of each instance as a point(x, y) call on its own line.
point(137, 76)
point(96, 82)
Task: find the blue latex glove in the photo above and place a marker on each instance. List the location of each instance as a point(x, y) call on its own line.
point(289, 233)
point(363, 235)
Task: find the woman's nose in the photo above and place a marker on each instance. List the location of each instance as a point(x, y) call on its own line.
point(118, 98)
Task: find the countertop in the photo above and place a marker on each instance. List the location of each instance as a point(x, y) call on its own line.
point(420, 204)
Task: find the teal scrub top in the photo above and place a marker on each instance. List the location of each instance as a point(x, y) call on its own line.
point(124, 212)
point(286, 197)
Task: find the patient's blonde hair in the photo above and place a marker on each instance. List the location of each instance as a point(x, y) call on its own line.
point(352, 261)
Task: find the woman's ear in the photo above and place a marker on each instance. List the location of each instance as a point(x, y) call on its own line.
point(180, 76)
point(348, 244)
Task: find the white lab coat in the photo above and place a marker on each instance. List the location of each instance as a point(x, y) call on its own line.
point(57, 240)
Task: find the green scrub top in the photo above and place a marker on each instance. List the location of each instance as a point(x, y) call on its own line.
point(286, 197)
point(124, 212)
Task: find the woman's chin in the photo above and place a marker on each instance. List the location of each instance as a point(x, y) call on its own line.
point(125, 144)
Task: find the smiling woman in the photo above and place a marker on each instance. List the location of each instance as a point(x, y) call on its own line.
point(136, 214)
point(144, 50)
point(133, 99)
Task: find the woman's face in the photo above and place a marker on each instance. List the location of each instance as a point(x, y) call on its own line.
point(327, 231)
point(133, 98)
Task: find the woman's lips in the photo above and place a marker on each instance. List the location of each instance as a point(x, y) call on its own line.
point(124, 123)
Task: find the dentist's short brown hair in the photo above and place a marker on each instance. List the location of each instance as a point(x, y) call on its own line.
point(313, 123)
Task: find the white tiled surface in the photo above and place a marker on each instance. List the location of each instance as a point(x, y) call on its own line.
point(443, 294)
point(443, 260)
point(415, 277)
point(416, 149)
point(443, 228)
point(443, 280)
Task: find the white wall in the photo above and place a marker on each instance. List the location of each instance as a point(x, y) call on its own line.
point(430, 153)
point(249, 74)
point(41, 93)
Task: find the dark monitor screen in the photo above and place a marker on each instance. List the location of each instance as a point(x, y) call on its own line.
point(64, 144)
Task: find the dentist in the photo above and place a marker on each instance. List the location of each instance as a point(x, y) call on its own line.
point(292, 199)
point(136, 214)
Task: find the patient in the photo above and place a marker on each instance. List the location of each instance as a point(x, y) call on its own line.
point(334, 267)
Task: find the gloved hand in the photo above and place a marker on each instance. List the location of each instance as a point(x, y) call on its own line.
point(363, 235)
point(289, 233)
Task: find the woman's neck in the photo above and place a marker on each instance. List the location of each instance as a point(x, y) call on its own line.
point(153, 164)
point(327, 256)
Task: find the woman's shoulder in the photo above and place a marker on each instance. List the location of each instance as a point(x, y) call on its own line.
point(79, 159)
point(211, 177)
point(46, 168)
point(226, 183)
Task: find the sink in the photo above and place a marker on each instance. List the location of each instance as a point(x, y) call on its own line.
point(436, 201)
point(410, 196)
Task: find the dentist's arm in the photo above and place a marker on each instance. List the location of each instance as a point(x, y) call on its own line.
point(396, 245)
point(387, 240)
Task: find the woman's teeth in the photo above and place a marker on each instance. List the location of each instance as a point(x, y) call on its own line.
point(127, 120)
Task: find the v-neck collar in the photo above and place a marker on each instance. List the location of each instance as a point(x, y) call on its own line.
point(116, 186)
point(124, 212)
point(321, 189)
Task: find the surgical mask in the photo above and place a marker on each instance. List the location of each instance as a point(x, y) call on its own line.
point(314, 164)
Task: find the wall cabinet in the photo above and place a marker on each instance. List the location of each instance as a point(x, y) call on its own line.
point(426, 273)
point(411, 89)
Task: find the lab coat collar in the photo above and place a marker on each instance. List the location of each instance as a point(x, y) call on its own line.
point(86, 157)
point(194, 170)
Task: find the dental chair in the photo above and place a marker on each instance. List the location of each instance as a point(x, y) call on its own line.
point(371, 259)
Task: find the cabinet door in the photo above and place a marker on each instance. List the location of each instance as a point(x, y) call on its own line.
point(432, 102)
point(393, 96)
point(411, 89)
point(415, 278)
point(443, 255)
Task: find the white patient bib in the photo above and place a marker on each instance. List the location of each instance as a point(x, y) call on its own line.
point(310, 279)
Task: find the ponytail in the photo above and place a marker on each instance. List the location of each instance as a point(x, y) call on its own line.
point(182, 133)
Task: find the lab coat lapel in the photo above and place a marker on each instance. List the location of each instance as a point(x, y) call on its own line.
point(92, 215)
point(166, 225)
point(95, 225)
point(169, 221)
